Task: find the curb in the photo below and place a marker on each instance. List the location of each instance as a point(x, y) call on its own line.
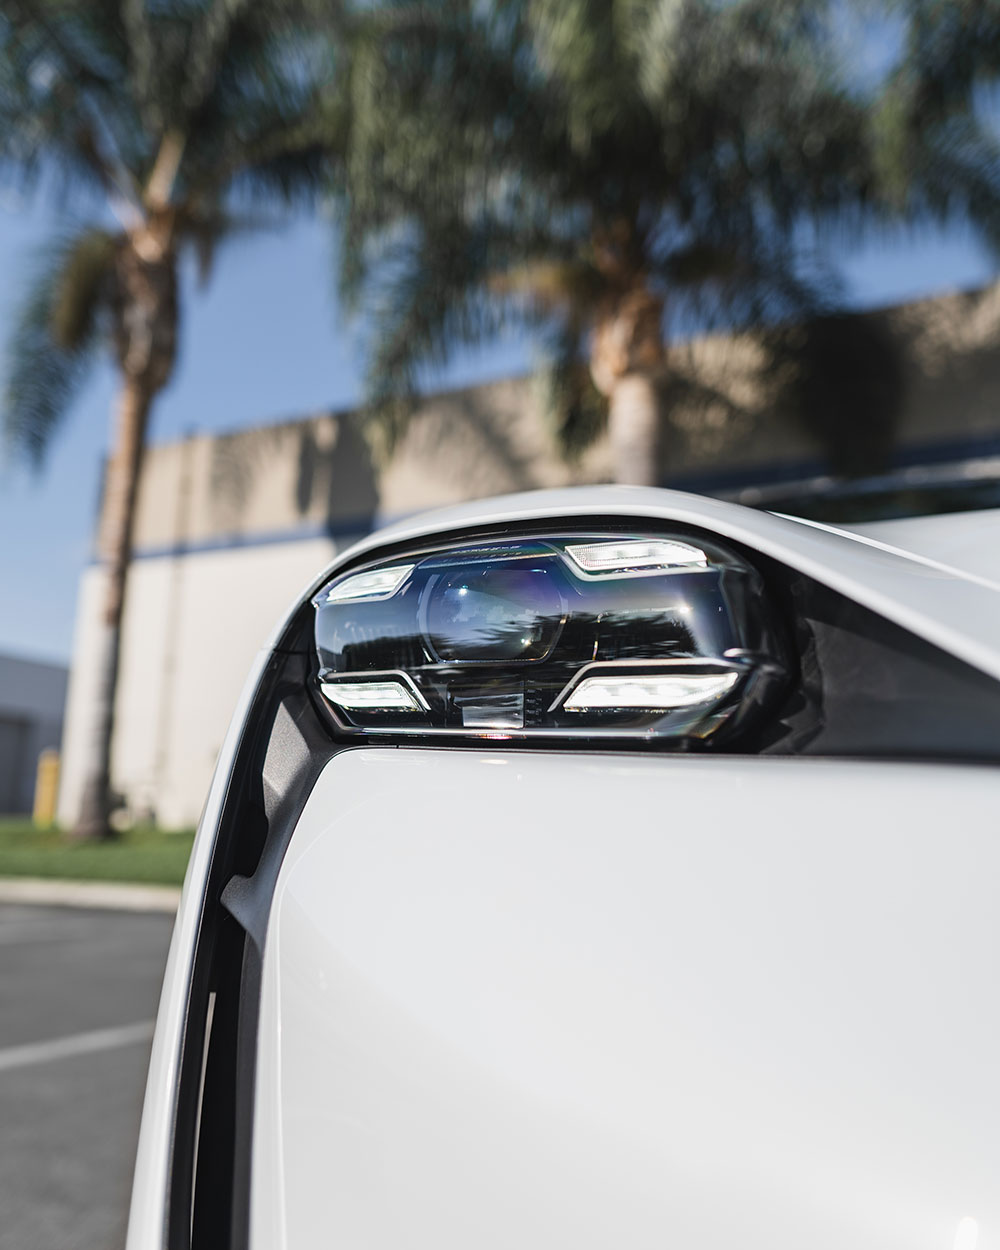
point(107, 895)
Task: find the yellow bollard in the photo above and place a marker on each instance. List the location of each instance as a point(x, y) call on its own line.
point(46, 789)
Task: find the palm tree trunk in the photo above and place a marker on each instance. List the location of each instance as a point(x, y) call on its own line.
point(117, 528)
point(634, 429)
point(627, 362)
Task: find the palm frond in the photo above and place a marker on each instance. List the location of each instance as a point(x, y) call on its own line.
point(43, 369)
point(272, 117)
point(80, 288)
point(950, 49)
point(205, 229)
point(586, 57)
point(575, 407)
point(746, 282)
point(209, 37)
point(955, 177)
point(549, 284)
point(430, 299)
point(62, 106)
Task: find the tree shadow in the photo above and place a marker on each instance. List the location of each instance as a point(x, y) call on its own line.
point(316, 474)
point(470, 429)
point(842, 379)
point(336, 475)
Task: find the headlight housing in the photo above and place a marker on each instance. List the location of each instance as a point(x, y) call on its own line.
point(566, 635)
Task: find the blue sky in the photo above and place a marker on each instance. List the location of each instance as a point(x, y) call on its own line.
point(263, 342)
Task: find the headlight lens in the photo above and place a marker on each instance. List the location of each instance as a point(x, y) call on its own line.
point(500, 611)
point(595, 634)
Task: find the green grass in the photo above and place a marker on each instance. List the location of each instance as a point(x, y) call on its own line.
point(141, 855)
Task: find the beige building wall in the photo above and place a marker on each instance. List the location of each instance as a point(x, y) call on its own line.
point(193, 625)
point(230, 528)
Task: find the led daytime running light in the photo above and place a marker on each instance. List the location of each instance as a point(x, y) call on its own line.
point(373, 696)
point(375, 584)
point(655, 692)
point(639, 557)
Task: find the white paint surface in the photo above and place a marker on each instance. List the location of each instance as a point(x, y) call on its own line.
point(543, 1000)
point(966, 540)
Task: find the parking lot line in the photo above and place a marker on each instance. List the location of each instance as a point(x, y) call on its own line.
point(76, 1044)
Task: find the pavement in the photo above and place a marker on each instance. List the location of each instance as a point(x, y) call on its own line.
point(79, 987)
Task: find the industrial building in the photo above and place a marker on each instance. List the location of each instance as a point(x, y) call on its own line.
point(32, 698)
point(231, 528)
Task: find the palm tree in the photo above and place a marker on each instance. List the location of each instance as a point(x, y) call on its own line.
point(597, 169)
point(159, 117)
point(600, 170)
point(938, 150)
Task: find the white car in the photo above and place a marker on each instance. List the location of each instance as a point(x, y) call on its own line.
point(603, 868)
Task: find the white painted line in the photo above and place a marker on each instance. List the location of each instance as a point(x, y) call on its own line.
point(101, 894)
point(77, 1044)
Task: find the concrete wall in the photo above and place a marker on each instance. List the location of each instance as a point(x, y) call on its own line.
point(192, 627)
point(32, 698)
point(300, 477)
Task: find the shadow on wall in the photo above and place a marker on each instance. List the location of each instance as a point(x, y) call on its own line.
point(473, 443)
point(836, 388)
point(492, 455)
point(318, 475)
point(842, 380)
point(846, 393)
point(336, 475)
point(319, 472)
point(704, 419)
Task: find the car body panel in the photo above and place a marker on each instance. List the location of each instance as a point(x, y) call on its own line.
point(844, 829)
point(969, 541)
point(551, 999)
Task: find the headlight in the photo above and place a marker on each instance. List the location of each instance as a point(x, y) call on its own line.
point(559, 635)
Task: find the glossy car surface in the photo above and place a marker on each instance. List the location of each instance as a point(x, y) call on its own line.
point(538, 993)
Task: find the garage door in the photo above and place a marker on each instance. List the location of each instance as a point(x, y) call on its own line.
point(13, 762)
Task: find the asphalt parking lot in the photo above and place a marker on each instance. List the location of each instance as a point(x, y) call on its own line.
point(78, 994)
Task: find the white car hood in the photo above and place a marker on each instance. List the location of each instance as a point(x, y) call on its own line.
point(545, 1000)
point(968, 541)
